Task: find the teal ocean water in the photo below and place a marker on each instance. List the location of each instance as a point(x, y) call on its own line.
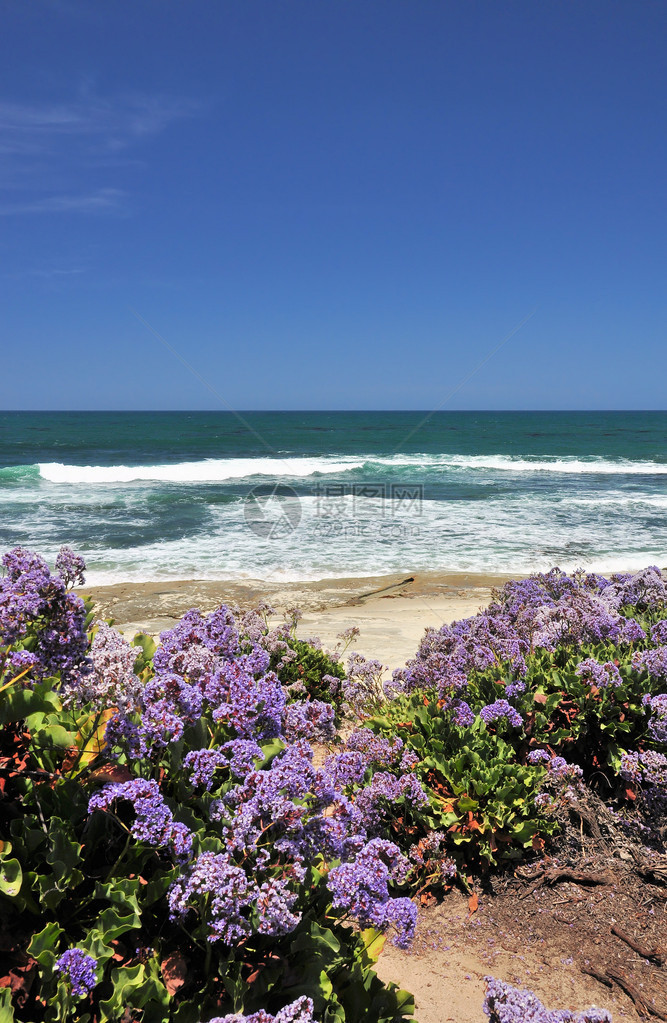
point(308, 495)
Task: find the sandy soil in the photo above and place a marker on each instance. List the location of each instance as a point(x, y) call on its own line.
point(391, 612)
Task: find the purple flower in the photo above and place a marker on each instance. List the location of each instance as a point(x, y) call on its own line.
point(515, 689)
point(603, 676)
point(632, 632)
point(36, 604)
point(376, 800)
point(154, 822)
point(499, 710)
point(309, 719)
point(361, 888)
point(559, 770)
point(462, 714)
point(112, 682)
point(657, 725)
point(506, 1004)
point(239, 755)
point(78, 968)
point(659, 633)
point(537, 756)
point(654, 662)
point(300, 1011)
point(227, 891)
point(70, 567)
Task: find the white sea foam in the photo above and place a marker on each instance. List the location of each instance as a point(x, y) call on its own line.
point(213, 470)
point(219, 470)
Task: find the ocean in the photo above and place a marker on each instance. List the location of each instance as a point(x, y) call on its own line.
point(310, 495)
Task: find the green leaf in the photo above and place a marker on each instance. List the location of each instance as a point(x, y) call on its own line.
point(11, 877)
point(6, 1007)
point(45, 945)
point(374, 942)
point(135, 987)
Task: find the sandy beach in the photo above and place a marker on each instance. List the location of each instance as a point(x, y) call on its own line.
point(391, 612)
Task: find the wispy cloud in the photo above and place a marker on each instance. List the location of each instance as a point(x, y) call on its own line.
point(103, 199)
point(111, 123)
point(60, 157)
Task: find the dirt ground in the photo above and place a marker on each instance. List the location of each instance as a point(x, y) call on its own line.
point(537, 928)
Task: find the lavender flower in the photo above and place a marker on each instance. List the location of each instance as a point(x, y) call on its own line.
point(78, 968)
point(309, 719)
point(362, 689)
point(361, 888)
point(228, 890)
point(632, 632)
point(112, 682)
point(35, 603)
point(300, 1011)
point(70, 567)
point(603, 676)
point(659, 633)
point(515, 689)
point(559, 770)
point(154, 822)
point(538, 756)
point(654, 662)
point(657, 725)
point(499, 710)
point(506, 1004)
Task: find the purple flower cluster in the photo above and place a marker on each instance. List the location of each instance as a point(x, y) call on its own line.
point(112, 682)
point(645, 589)
point(603, 676)
point(377, 800)
point(361, 888)
point(154, 822)
point(506, 1004)
point(309, 719)
point(70, 567)
point(659, 633)
point(645, 768)
point(560, 771)
point(300, 1011)
point(35, 604)
point(78, 968)
point(501, 709)
point(232, 895)
point(447, 655)
point(363, 691)
point(538, 756)
point(654, 662)
point(657, 725)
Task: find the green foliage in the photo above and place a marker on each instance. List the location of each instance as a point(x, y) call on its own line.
point(479, 795)
point(307, 669)
point(72, 880)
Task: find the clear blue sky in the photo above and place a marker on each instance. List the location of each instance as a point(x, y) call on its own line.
point(333, 203)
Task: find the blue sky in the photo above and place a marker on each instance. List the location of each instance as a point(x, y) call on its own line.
point(333, 203)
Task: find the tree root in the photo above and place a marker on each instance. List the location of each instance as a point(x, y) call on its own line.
point(655, 955)
point(556, 875)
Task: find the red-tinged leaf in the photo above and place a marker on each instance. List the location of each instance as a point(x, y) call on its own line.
point(174, 971)
point(538, 843)
point(540, 698)
point(473, 904)
point(630, 792)
point(427, 899)
point(111, 773)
